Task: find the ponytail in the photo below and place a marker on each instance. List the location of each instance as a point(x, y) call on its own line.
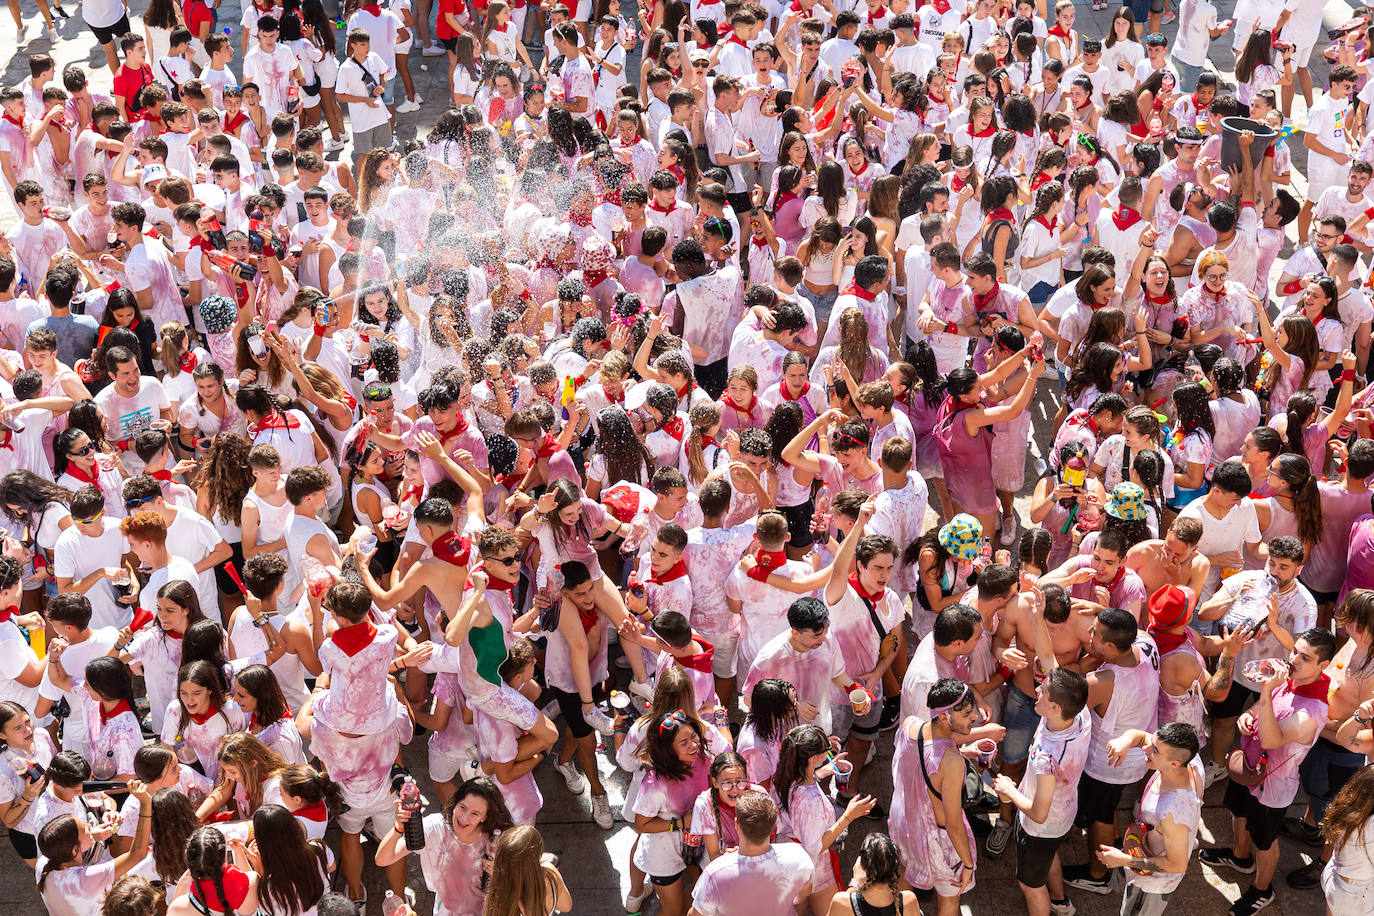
point(172, 339)
point(57, 841)
point(1300, 409)
point(794, 756)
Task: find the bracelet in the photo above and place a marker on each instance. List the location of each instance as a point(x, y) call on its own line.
point(952, 328)
point(1348, 375)
point(1004, 672)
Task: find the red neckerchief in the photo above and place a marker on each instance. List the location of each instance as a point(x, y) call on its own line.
point(858, 292)
point(685, 390)
point(1319, 689)
point(548, 447)
point(768, 560)
point(253, 718)
point(373, 8)
point(1058, 31)
point(1050, 226)
point(6, 439)
point(315, 811)
point(956, 183)
point(653, 205)
point(1125, 218)
point(92, 478)
point(355, 638)
point(1116, 580)
point(579, 219)
point(783, 198)
point(613, 398)
point(985, 132)
point(1217, 296)
point(458, 429)
point(709, 440)
point(19, 124)
point(674, 428)
point(726, 401)
point(170, 634)
point(758, 241)
point(188, 360)
point(1161, 300)
point(611, 197)
point(279, 420)
point(202, 718)
point(735, 39)
point(163, 475)
point(861, 169)
point(986, 299)
point(1002, 213)
point(1197, 106)
point(1084, 107)
point(1168, 642)
point(501, 585)
point(678, 172)
point(787, 395)
point(121, 706)
point(239, 118)
point(870, 597)
point(941, 6)
point(678, 570)
point(1039, 179)
point(700, 661)
point(1082, 418)
point(451, 548)
point(7, 613)
point(873, 16)
point(595, 278)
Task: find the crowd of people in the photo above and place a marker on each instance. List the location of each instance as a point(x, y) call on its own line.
point(673, 422)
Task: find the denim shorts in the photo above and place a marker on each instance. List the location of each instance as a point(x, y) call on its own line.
point(1021, 720)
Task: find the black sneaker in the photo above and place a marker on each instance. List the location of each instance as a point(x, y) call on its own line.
point(1224, 855)
point(1299, 829)
point(892, 713)
point(1307, 877)
point(1081, 877)
point(399, 775)
point(1251, 902)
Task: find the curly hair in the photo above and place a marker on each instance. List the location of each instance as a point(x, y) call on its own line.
point(226, 476)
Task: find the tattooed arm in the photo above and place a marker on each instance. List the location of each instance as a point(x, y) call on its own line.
point(1229, 644)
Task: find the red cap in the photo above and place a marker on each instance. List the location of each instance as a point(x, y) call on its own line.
point(1171, 606)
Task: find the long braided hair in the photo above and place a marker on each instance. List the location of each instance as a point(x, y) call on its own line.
point(205, 855)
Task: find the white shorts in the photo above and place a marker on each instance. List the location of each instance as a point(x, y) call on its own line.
point(445, 767)
point(659, 855)
point(1323, 172)
point(1348, 898)
point(723, 661)
point(405, 47)
point(327, 69)
point(382, 814)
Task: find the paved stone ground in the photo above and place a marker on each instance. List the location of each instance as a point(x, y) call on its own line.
point(594, 861)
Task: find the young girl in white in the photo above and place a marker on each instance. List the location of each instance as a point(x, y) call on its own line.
point(30, 750)
point(269, 718)
point(311, 796)
point(72, 888)
point(713, 814)
point(249, 777)
point(152, 647)
point(199, 716)
point(111, 723)
point(676, 772)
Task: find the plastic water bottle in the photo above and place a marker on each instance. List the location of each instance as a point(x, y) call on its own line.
point(391, 904)
point(1251, 603)
point(415, 828)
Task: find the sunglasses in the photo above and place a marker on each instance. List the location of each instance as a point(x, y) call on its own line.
point(132, 504)
point(90, 521)
point(1157, 39)
point(505, 561)
point(83, 452)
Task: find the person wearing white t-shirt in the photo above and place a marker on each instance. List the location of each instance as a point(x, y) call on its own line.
point(190, 536)
point(362, 86)
point(1327, 140)
point(1197, 27)
point(773, 877)
point(1300, 24)
point(147, 267)
point(86, 553)
point(272, 67)
point(131, 404)
point(20, 669)
point(835, 51)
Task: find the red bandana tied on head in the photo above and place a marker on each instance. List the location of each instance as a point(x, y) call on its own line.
point(768, 560)
point(1125, 218)
point(354, 639)
point(858, 292)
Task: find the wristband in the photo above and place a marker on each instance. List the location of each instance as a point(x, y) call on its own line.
point(1348, 375)
point(1295, 286)
point(951, 328)
point(1369, 213)
point(1004, 672)
point(319, 330)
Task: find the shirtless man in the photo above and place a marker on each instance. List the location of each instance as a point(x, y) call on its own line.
point(1172, 560)
point(1330, 763)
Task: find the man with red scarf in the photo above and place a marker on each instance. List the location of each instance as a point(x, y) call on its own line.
point(445, 418)
point(1102, 579)
point(1284, 724)
point(867, 293)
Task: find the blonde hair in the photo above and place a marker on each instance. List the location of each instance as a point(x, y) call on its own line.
point(704, 415)
point(256, 763)
point(1211, 258)
point(520, 885)
point(172, 340)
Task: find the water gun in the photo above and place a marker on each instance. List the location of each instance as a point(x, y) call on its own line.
point(1264, 381)
point(566, 395)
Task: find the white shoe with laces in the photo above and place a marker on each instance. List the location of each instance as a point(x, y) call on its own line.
point(635, 902)
point(599, 720)
point(1215, 774)
point(433, 51)
point(572, 776)
point(601, 812)
point(1007, 535)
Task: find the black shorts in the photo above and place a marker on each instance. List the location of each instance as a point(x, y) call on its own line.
point(1097, 801)
point(799, 524)
point(114, 32)
point(227, 585)
point(1321, 597)
point(24, 843)
point(1238, 699)
point(670, 880)
point(450, 44)
point(1260, 820)
point(570, 705)
point(1034, 856)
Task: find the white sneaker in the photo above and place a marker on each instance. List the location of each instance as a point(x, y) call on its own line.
point(1007, 536)
point(433, 51)
point(1215, 774)
point(599, 720)
point(572, 776)
point(1063, 907)
point(601, 812)
point(635, 902)
point(418, 100)
point(333, 146)
point(407, 106)
point(642, 689)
